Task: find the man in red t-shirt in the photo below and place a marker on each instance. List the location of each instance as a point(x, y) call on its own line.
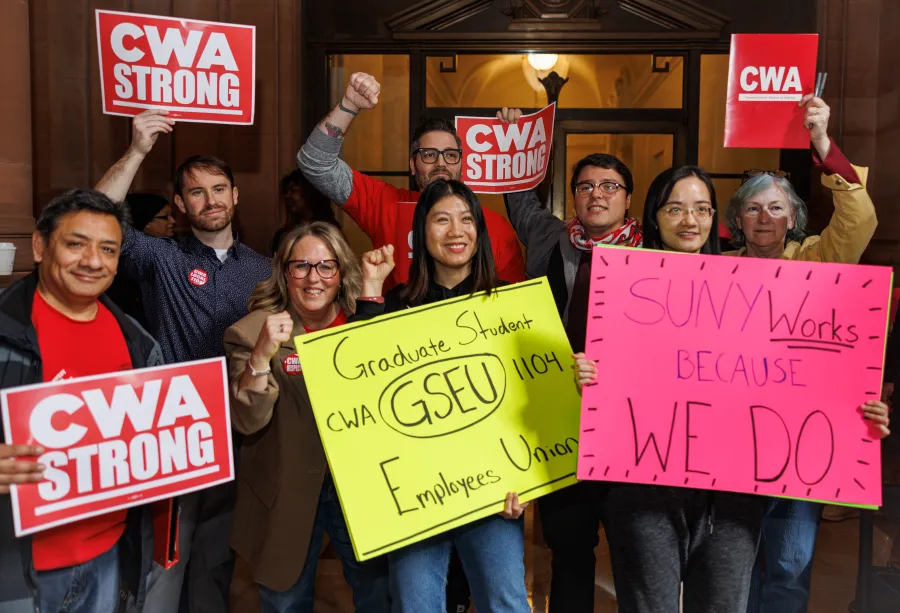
point(384, 212)
point(57, 325)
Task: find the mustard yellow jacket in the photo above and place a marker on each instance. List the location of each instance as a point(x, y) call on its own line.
point(849, 231)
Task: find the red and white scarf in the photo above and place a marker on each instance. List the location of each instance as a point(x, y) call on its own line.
point(629, 235)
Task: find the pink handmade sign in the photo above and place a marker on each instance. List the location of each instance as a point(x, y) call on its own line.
point(734, 374)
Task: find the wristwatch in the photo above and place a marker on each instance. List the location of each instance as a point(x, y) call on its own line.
point(258, 373)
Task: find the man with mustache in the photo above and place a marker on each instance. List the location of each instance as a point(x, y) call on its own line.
point(56, 324)
point(602, 185)
point(435, 153)
point(193, 290)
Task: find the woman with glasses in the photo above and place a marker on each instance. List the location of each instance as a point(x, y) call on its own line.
point(767, 219)
point(286, 498)
point(451, 257)
point(151, 214)
point(669, 543)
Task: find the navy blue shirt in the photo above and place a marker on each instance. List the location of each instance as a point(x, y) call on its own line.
point(190, 297)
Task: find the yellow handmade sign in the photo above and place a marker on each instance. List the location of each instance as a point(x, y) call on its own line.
point(429, 416)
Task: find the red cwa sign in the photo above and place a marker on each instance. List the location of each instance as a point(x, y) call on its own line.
point(500, 157)
point(197, 70)
point(118, 440)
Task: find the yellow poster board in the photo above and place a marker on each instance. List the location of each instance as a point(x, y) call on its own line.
point(429, 416)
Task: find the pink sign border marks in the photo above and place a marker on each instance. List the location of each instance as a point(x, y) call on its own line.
point(608, 258)
point(7, 432)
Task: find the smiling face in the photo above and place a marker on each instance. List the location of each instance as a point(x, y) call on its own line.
point(599, 212)
point(686, 219)
point(426, 174)
point(162, 224)
point(766, 218)
point(208, 200)
point(450, 233)
point(313, 294)
point(80, 260)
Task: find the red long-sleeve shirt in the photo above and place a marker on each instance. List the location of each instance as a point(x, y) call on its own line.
point(385, 213)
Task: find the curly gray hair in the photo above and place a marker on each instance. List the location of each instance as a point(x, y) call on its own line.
point(752, 187)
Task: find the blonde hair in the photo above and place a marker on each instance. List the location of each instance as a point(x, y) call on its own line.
point(272, 294)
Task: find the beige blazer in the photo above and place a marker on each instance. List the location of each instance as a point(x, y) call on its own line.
point(281, 464)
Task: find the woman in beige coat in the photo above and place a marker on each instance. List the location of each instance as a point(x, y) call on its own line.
point(286, 497)
point(767, 219)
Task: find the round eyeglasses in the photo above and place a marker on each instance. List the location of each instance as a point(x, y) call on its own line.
point(678, 212)
point(300, 269)
point(607, 188)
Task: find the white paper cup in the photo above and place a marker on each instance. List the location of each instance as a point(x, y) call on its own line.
point(7, 257)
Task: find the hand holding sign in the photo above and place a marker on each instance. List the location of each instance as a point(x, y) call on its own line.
point(508, 115)
point(878, 414)
point(146, 128)
point(816, 119)
point(362, 91)
point(585, 370)
point(14, 471)
point(376, 266)
point(513, 509)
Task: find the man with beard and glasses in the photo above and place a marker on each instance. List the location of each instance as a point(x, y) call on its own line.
point(193, 290)
point(435, 153)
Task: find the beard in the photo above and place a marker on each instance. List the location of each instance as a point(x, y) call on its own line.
point(424, 179)
point(205, 224)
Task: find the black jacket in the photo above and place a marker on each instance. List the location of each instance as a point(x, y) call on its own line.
point(366, 309)
point(20, 364)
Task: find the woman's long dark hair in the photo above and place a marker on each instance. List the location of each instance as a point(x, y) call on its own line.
point(659, 193)
point(484, 271)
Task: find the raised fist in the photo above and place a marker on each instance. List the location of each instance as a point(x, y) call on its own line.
point(275, 331)
point(362, 92)
point(376, 266)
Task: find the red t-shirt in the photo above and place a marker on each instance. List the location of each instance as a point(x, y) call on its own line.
point(339, 320)
point(385, 214)
point(70, 349)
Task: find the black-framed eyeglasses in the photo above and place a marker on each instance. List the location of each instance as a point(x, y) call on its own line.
point(607, 188)
point(755, 172)
point(429, 155)
point(300, 269)
point(164, 216)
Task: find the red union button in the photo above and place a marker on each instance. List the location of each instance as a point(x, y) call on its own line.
point(198, 277)
point(292, 365)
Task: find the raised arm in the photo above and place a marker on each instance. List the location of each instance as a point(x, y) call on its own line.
point(538, 229)
point(853, 221)
point(318, 158)
point(145, 129)
point(253, 397)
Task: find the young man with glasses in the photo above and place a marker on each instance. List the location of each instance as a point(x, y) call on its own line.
point(435, 153)
point(602, 187)
point(767, 219)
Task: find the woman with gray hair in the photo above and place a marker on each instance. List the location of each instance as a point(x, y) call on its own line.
point(768, 220)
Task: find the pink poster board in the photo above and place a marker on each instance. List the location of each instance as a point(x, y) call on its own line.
point(734, 374)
